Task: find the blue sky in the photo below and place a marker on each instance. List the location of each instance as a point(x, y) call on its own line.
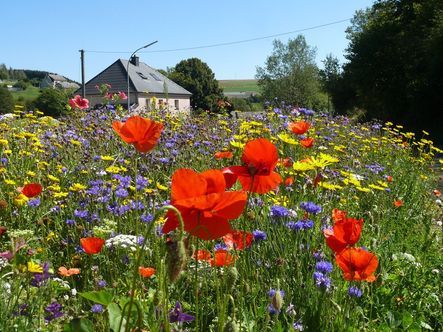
point(47, 34)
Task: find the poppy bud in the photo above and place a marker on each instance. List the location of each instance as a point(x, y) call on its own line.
point(232, 276)
point(231, 326)
point(277, 300)
point(176, 259)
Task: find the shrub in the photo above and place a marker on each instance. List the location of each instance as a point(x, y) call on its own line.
point(6, 101)
point(52, 102)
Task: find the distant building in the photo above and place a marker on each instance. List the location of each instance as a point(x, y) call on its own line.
point(146, 85)
point(57, 81)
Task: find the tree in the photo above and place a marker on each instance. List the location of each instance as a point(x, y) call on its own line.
point(395, 67)
point(330, 75)
point(6, 101)
point(52, 102)
point(3, 72)
point(196, 77)
point(290, 73)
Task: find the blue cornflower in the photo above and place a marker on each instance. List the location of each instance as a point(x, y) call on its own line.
point(141, 182)
point(323, 267)
point(54, 311)
point(278, 211)
point(97, 309)
point(354, 292)
point(34, 202)
point(147, 218)
point(310, 207)
point(295, 226)
point(259, 235)
point(121, 193)
point(70, 222)
point(177, 314)
point(81, 214)
point(322, 280)
point(101, 284)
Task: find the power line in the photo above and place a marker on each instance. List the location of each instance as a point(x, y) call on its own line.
point(229, 43)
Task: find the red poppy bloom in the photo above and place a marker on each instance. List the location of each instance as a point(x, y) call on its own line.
point(338, 215)
point(222, 258)
point(230, 177)
point(289, 181)
point(223, 155)
point(398, 203)
point(79, 102)
point(31, 190)
point(146, 272)
point(204, 204)
point(346, 232)
point(389, 178)
point(299, 127)
point(202, 255)
point(238, 240)
point(259, 158)
point(357, 264)
point(307, 142)
point(140, 132)
point(92, 245)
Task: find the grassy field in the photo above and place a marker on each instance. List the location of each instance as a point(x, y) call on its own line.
point(239, 85)
point(31, 93)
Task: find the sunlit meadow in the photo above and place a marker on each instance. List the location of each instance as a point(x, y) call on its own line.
point(306, 222)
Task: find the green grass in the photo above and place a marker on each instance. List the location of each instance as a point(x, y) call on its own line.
point(31, 93)
point(239, 85)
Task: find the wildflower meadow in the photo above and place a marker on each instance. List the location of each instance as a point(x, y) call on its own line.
point(289, 220)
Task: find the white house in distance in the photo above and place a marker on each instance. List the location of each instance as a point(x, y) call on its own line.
point(144, 84)
point(57, 81)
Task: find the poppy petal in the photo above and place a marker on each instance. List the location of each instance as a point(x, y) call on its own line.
point(187, 183)
point(32, 190)
point(215, 181)
point(262, 184)
point(231, 205)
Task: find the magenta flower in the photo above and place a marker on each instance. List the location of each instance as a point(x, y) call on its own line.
point(79, 102)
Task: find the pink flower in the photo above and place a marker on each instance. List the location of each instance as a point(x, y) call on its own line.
point(79, 102)
point(122, 95)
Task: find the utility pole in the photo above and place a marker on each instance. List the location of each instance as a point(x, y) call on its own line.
point(82, 58)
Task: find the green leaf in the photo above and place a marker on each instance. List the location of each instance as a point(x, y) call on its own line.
point(406, 319)
point(101, 297)
point(115, 316)
point(79, 325)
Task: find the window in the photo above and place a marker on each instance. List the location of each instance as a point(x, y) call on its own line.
point(142, 75)
point(155, 77)
point(176, 103)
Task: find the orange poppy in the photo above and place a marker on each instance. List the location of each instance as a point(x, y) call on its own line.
point(202, 255)
point(222, 258)
point(31, 190)
point(338, 215)
point(146, 272)
point(223, 155)
point(289, 181)
point(389, 178)
point(357, 264)
point(63, 271)
point(140, 132)
point(92, 245)
point(436, 192)
point(299, 127)
point(204, 204)
point(259, 158)
point(398, 203)
point(238, 240)
point(346, 232)
point(307, 142)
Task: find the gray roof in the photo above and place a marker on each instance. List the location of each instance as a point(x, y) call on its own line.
point(56, 77)
point(142, 79)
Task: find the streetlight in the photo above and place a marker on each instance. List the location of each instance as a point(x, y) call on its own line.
point(127, 67)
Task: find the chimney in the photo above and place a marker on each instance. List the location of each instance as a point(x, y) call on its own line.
point(134, 60)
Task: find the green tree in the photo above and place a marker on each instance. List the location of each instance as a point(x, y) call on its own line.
point(6, 101)
point(394, 63)
point(52, 102)
point(3, 72)
point(196, 77)
point(290, 74)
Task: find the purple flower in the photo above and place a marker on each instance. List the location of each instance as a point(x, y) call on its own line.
point(54, 311)
point(310, 207)
point(278, 211)
point(97, 309)
point(259, 235)
point(147, 218)
point(70, 222)
point(34, 202)
point(177, 314)
point(323, 267)
point(220, 246)
point(141, 182)
point(101, 284)
point(81, 214)
point(322, 280)
point(298, 326)
point(354, 292)
point(40, 278)
point(121, 193)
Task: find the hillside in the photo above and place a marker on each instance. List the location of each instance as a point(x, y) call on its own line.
point(239, 85)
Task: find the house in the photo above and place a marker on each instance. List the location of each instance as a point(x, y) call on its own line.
point(146, 85)
point(57, 81)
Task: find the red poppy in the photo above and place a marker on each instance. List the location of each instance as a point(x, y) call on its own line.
point(238, 240)
point(357, 264)
point(389, 178)
point(2, 230)
point(259, 158)
point(92, 245)
point(146, 272)
point(79, 102)
point(222, 258)
point(346, 232)
point(338, 215)
point(203, 203)
point(202, 255)
point(230, 177)
point(299, 127)
point(31, 190)
point(307, 142)
point(140, 132)
point(223, 155)
point(398, 203)
point(289, 181)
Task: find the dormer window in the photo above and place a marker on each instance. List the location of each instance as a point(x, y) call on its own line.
point(142, 75)
point(155, 77)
